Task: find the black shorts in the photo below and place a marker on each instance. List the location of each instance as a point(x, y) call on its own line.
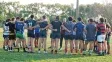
point(69, 37)
point(79, 37)
point(55, 35)
point(32, 35)
point(12, 37)
point(5, 36)
point(36, 35)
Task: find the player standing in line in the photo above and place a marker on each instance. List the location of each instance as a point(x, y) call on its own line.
point(101, 30)
point(6, 34)
point(79, 29)
point(69, 34)
point(62, 34)
point(31, 24)
point(12, 35)
point(20, 25)
point(43, 34)
point(90, 36)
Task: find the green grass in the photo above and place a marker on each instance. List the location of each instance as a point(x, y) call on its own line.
point(35, 57)
point(61, 57)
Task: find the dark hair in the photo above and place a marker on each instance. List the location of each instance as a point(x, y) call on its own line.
point(79, 19)
point(70, 18)
point(32, 16)
point(91, 20)
point(108, 25)
point(102, 20)
point(22, 19)
point(44, 17)
point(74, 20)
point(17, 17)
point(105, 20)
point(8, 20)
point(57, 17)
point(12, 19)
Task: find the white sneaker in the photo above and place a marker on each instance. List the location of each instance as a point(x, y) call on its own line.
point(66, 53)
point(39, 52)
point(6, 47)
point(45, 52)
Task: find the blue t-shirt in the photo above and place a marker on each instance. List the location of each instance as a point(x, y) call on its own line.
point(79, 26)
point(70, 26)
point(37, 30)
point(19, 27)
point(91, 31)
point(31, 23)
point(43, 25)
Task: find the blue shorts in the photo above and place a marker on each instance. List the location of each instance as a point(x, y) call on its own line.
point(31, 35)
point(69, 37)
point(42, 35)
point(90, 39)
point(79, 37)
point(55, 35)
point(74, 36)
point(36, 35)
point(5, 36)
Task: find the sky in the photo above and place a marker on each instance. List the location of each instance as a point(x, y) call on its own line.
point(59, 1)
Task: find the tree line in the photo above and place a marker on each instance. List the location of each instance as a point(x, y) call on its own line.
point(14, 9)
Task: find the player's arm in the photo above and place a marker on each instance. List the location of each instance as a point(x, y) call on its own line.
point(50, 27)
point(85, 29)
point(65, 28)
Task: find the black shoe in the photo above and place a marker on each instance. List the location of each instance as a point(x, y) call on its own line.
point(18, 49)
point(3, 48)
point(103, 54)
point(51, 51)
point(100, 54)
point(24, 50)
point(49, 47)
point(56, 51)
point(108, 52)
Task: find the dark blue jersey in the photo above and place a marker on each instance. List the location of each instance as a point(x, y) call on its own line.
point(19, 26)
point(31, 23)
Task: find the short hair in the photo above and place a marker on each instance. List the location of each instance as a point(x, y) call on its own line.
point(22, 19)
point(105, 20)
point(12, 19)
point(70, 18)
point(17, 17)
point(79, 19)
point(108, 25)
point(57, 17)
point(8, 20)
point(32, 16)
point(74, 20)
point(91, 20)
point(44, 17)
point(102, 20)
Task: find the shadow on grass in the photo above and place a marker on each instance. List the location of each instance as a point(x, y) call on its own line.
point(20, 56)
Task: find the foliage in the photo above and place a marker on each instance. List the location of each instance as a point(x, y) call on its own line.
point(14, 9)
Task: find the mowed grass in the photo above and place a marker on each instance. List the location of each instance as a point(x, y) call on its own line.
point(60, 57)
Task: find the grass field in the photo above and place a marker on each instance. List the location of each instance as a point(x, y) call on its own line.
point(35, 57)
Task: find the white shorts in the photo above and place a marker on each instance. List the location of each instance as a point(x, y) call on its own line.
point(101, 38)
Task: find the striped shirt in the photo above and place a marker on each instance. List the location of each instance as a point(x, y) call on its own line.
point(101, 28)
point(6, 29)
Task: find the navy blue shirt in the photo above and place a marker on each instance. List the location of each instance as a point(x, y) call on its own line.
point(31, 23)
point(70, 26)
point(19, 26)
point(79, 26)
point(91, 31)
point(43, 25)
point(56, 25)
